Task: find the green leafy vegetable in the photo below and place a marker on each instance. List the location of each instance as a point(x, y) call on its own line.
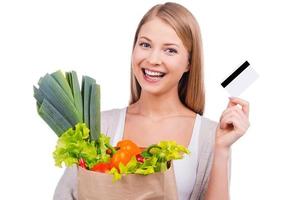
point(63, 83)
point(103, 145)
point(95, 112)
point(86, 88)
point(75, 144)
point(62, 105)
point(59, 99)
point(55, 120)
point(157, 159)
point(74, 84)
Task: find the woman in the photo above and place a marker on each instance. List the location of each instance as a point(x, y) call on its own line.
point(167, 103)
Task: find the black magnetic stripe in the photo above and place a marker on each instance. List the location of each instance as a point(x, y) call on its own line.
point(235, 74)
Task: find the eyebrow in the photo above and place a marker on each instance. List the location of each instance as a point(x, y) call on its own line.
point(166, 44)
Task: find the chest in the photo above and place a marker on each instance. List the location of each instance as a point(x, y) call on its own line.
point(145, 132)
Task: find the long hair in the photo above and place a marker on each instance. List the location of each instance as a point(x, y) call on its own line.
point(191, 85)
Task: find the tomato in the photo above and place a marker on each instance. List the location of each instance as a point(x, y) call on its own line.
point(82, 163)
point(102, 167)
point(121, 156)
point(140, 158)
point(129, 146)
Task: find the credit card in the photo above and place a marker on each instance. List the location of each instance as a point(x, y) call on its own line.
point(240, 79)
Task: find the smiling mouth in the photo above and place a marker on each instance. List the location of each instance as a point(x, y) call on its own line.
point(153, 74)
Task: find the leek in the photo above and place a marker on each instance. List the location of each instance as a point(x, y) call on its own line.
point(95, 112)
point(86, 95)
point(57, 97)
point(53, 118)
point(74, 84)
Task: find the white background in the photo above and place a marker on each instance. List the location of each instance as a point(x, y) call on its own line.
point(95, 39)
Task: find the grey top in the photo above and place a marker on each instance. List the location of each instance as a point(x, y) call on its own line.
point(66, 188)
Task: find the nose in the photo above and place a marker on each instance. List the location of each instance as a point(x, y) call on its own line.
point(154, 58)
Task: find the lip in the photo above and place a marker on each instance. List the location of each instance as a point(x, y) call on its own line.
point(143, 68)
point(151, 80)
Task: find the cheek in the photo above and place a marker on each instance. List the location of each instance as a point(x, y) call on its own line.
point(137, 57)
point(176, 65)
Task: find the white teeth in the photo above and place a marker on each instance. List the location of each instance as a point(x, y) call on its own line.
point(151, 73)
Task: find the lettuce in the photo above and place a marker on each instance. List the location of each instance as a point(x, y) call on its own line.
point(157, 159)
point(158, 155)
point(75, 144)
point(104, 145)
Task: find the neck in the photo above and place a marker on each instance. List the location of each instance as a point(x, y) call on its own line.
point(158, 106)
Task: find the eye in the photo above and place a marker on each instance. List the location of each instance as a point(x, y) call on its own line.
point(144, 44)
point(171, 51)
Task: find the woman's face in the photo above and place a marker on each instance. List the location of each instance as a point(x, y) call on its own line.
point(159, 58)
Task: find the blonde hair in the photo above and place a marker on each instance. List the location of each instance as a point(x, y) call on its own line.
point(191, 85)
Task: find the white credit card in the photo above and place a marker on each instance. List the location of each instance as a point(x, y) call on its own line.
point(240, 80)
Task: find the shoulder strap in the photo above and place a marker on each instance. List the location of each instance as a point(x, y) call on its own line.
point(205, 157)
point(109, 121)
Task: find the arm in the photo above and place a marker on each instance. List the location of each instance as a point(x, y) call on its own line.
point(218, 185)
point(66, 188)
point(233, 124)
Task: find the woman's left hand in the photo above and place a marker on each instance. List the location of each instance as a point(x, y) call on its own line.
point(234, 122)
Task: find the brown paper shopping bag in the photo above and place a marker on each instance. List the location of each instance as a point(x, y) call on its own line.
point(99, 186)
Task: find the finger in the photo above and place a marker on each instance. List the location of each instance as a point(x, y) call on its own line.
point(230, 104)
point(227, 122)
point(243, 103)
point(240, 120)
point(240, 116)
point(238, 111)
point(232, 109)
point(227, 112)
point(237, 125)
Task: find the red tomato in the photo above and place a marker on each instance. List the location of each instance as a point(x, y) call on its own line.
point(102, 167)
point(140, 158)
point(82, 163)
point(129, 146)
point(121, 156)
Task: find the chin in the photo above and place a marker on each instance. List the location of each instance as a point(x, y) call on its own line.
point(151, 90)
